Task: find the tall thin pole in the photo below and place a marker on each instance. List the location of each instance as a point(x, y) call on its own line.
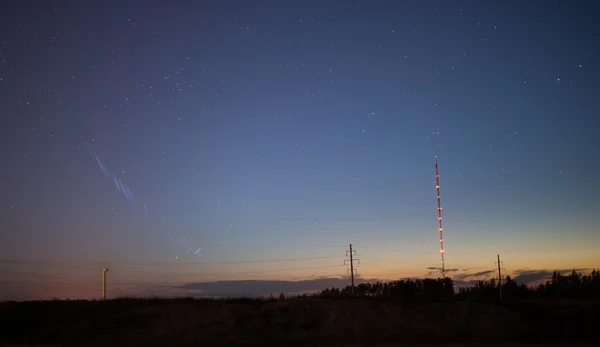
point(499, 278)
point(352, 254)
point(352, 269)
point(439, 204)
point(104, 283)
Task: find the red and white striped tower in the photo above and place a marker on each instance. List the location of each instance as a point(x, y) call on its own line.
point(439, 204)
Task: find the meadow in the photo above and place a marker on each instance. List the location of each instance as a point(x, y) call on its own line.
point(567, 308)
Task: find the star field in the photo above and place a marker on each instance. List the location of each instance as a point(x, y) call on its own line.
point(205, 136)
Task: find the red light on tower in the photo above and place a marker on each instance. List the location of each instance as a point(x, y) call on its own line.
point(439, 205)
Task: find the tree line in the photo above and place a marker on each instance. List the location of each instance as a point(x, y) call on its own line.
point(573, 285)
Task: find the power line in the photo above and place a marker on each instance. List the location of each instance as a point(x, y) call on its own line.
point(124, 278)
point(296, 269)
point(71, 278)
point(133, 280)
point(35, 262)
point(66, 271)
point(125, 273)
point(67, 276)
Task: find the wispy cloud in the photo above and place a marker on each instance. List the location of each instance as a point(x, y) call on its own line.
point(469, 279)
point(440, 269)
point(435, 270)
point(263, 287)
point(479, 274)
point(531, 277)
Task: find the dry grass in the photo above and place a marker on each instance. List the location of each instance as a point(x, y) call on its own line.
point(185, 322)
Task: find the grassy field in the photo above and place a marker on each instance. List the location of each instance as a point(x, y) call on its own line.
point(186, 322)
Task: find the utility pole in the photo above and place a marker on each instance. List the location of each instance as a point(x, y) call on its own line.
point(352, 254)
point(499, 277)
point(104, 283)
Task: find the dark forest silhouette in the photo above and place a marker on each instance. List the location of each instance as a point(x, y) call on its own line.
point(573, 285)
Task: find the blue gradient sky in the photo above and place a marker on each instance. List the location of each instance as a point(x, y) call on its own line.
point(285, 130)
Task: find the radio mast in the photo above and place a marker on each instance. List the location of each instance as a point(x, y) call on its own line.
point(439, 204)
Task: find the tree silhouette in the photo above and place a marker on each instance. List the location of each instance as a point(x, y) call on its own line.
point(573, 285)
point(439, 290)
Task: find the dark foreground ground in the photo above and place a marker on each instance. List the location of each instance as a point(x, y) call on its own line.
point(293, 322)
point(398, 344)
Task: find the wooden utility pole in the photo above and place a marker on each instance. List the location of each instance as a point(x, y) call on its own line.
point(104, 283)
point(499, 278)
point(352, 254)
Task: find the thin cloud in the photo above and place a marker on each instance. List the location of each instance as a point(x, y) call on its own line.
point(263, 287)
point(437, 269)
point(472, 276)
point(532, 277)
point(482, 273)
point(440, 269)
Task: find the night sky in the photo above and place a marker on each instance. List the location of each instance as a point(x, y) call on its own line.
point(178, 142)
